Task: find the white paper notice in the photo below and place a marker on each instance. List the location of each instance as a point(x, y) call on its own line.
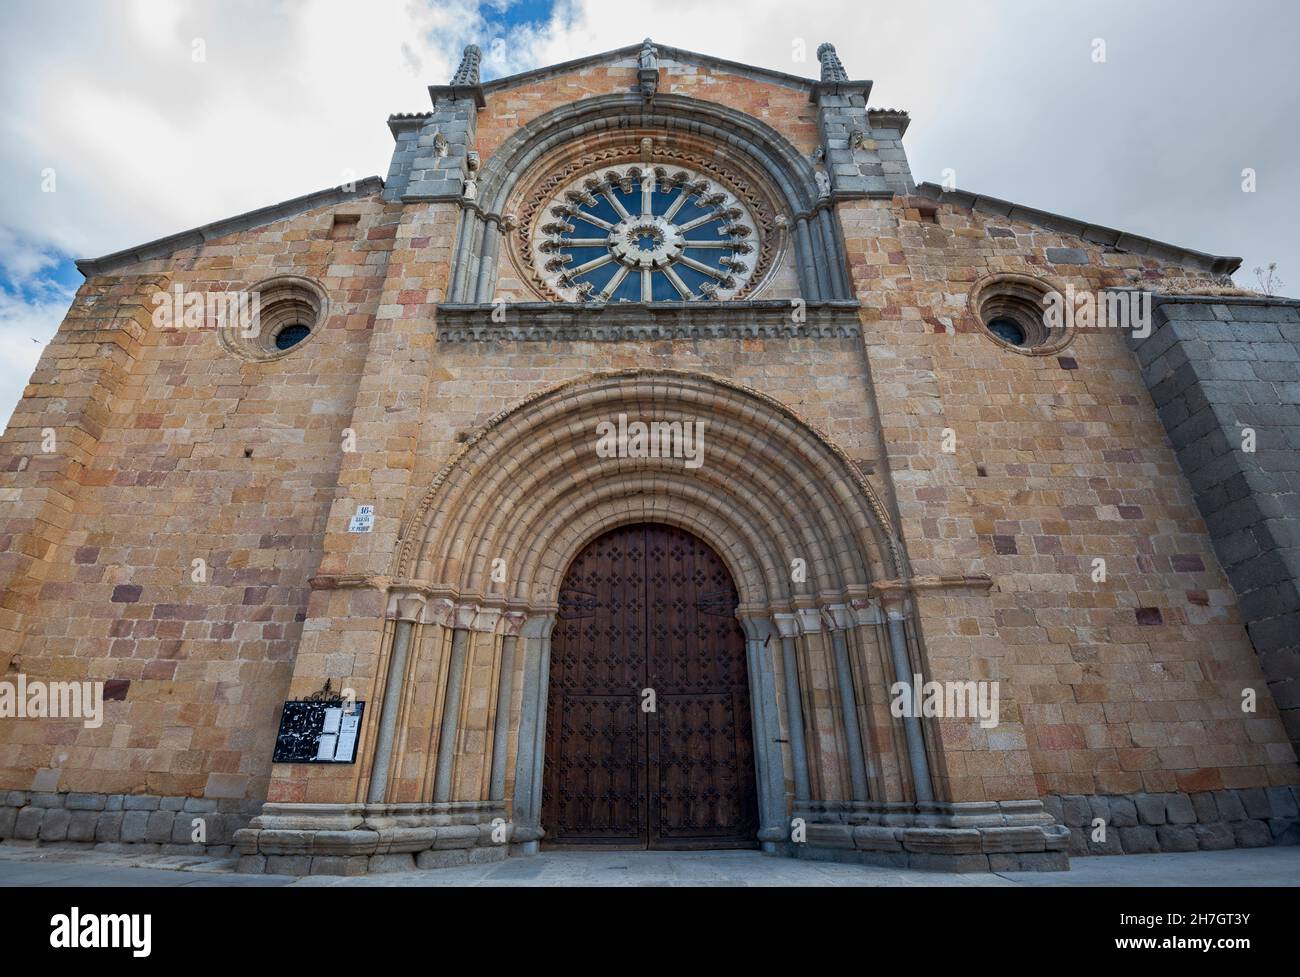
point(332, 717)
point(347, 740)
point(325, 749)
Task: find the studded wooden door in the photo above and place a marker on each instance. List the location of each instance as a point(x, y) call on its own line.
point(649, 610)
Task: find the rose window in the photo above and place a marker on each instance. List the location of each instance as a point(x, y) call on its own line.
point(633, 234)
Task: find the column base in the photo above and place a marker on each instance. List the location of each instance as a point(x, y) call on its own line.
point(358, 839)
point(994, 836)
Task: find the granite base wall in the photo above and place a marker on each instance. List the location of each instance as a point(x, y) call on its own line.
point(1138, 824)
point(134, 822)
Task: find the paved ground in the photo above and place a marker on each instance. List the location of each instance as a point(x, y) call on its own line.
point(26, 866)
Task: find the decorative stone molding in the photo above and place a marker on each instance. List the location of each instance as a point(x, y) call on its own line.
point(544, 146)
point(992, 836)
point(633, 322)
point(640, 244)
point(353, 839)
point(283, 301)
point(537, 200)
point(890, 590)
point(1019, 298)
point(517, 453)
point(787, 625)
point(810, 620)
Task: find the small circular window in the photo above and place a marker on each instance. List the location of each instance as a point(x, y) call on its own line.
point(286, 312)
point(291, 336)
point(1008, 330)
point(1012, 311)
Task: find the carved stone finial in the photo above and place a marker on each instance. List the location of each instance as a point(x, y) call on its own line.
point(832, 69)
point(467, 73)
point(648, 70)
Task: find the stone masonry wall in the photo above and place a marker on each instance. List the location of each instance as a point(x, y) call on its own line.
point(203, 456)
point(1220, 370)
point(1122, 686)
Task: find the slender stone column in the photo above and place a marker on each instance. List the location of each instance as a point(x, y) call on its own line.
point(487, 268)
point(463, 228)
point(834, 254)
point(807, 274)
point(768, 762)
point(406, 611)
point(841, 619)
point(825, 289)
point(788, 627)
point(920, 766)
point(526, 812)
point(505, 686)
point(460, 637)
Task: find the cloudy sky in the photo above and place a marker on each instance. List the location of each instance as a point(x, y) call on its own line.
point(143, 137)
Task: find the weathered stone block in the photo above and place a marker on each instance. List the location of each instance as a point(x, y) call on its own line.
point(159, 827)
point(86, 802)
point(286, 864)
point(1252, 834)
point(401, 862)
point(1140, 840)
point(81, 825)
point(134, 825)
point(1230, 808)
point(1207, 812)
point(1123, 812)
point(1215, 837)
point(108, 828)
point(27, 827)
point(1285, 831)
point(442, 859)
point(55, 825)
point(1077, 810)
point(1178, 810)
point(1176, 837)
point(1151, 808)
point(343, 865)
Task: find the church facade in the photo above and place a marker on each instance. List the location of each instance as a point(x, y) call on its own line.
point(647, 461)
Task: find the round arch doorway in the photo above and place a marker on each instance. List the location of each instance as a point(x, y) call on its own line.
point(648, 741)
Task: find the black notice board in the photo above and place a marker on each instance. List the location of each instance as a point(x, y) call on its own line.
point(302, 726)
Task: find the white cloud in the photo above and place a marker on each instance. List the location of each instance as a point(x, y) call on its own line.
point(25, 328)
point(146, 142)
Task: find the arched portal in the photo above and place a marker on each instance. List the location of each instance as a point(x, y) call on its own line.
point(649, 740)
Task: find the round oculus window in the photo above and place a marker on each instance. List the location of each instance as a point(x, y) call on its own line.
point(633, 234)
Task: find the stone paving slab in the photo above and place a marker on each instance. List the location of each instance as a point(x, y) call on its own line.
point(43, 867)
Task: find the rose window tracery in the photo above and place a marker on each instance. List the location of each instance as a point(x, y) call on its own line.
point(636, 233)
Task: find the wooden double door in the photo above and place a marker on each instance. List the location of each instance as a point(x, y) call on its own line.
point(648, 723)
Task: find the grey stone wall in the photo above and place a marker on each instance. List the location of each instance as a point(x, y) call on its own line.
point(416, 171)
point(1137, 824)
point(1216, 368)
point(144, 822)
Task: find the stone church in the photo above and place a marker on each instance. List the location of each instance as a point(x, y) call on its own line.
point(646, 461)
